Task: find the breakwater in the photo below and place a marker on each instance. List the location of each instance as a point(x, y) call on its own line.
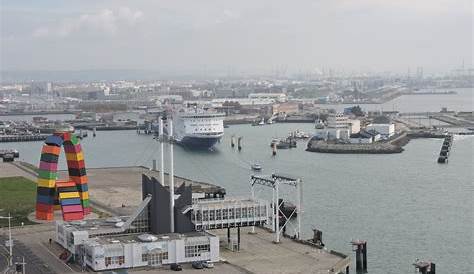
point(395, 145)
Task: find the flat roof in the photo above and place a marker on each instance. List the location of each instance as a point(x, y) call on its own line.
point(232, 201)
point(133, 237)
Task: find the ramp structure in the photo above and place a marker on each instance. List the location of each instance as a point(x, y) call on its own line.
point(70, 196)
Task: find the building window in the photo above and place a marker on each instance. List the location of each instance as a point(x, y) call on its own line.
point(108, 261)
point(114, 260)
point(196, 250)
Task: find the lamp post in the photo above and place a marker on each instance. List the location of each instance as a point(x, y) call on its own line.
point(10, 242)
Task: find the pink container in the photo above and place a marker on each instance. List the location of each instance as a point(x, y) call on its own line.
point(72, 208)
point(48, 166)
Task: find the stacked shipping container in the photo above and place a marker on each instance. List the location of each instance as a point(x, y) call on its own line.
point(71, 196)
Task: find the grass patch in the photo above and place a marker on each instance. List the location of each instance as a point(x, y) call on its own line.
point(17, 197)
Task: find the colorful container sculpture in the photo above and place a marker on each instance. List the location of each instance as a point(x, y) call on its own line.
point(70, 196)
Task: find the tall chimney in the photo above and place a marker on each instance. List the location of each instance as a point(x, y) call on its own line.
point(171, 185)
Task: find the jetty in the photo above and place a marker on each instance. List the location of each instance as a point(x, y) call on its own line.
point(445, 149)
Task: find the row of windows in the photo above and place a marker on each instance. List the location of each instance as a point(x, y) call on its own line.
point(114, 260)
point(224, 214)
point(154, 258)
point(196, 250)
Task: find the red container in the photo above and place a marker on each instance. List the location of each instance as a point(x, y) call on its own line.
point(87, 210)
point(70, 148)
point(44, 208)
point(60, 184)
point(72, 216)
point(76, 164)
point(44, 216)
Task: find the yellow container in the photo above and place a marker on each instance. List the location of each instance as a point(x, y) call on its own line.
point(46, 183)
point(84, 195)
point(75, 156)
point(66, 195)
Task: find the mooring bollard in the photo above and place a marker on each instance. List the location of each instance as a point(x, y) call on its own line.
point(360, 248)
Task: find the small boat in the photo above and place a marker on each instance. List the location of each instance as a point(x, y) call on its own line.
point(283, 145)
point(261, 123)
point(256, 167)
point(274, 142)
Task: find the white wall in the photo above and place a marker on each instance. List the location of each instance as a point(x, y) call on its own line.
point(384, 129)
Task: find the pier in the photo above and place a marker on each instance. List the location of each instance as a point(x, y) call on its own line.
point(23, 138)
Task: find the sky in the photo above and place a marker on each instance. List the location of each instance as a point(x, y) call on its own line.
point(243, 35)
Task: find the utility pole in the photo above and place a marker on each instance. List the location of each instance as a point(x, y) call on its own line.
point(10, 242)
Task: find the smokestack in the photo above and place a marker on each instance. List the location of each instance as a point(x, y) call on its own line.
point(162, 144)
point(171, 185)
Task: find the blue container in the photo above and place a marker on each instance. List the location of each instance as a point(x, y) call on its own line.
point(71, 201)
point(43, 199)
point(54, 140)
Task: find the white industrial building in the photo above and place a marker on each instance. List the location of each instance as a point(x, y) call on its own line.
point(339, 126)
point(111, 251)
point(144, 238)
point(386, 130)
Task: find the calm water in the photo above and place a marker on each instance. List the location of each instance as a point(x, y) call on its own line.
point(406, 205)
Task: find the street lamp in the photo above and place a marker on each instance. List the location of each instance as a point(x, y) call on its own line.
point(10, 242)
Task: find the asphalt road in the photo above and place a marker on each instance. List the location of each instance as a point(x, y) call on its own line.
point(34, 265)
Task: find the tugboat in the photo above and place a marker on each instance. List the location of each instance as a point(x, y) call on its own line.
point(256, 167)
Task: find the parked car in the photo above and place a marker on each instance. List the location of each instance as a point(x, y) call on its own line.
point(208, 264)
point(176, 267)
point(197, 265)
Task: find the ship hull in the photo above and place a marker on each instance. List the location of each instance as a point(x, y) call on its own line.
point(198, 142)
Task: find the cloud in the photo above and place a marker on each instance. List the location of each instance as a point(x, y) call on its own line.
point(105, 21)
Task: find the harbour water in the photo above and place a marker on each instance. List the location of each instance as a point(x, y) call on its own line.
point(405, 205)
point(463, 100)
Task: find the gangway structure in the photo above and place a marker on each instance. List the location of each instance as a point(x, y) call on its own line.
point(225, 213)
point(274, 181)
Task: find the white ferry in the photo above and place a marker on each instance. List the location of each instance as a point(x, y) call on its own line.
point(197, 128)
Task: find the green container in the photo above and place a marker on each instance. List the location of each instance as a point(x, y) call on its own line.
point(85, 203)
point(46, 174)
point(74, 139)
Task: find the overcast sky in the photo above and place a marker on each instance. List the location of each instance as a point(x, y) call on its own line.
point(247, 35)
